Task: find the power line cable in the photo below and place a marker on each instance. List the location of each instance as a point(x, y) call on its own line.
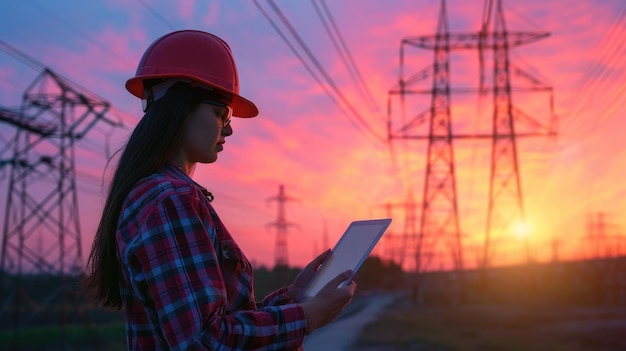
point(608, 53)
point(596, 66)
point(22, 57)
point(617, 101)
point(509, 7)
point(364, 124)
point(78, 31)
point(38, 66)
point(344, 53)
point(239, 205)
point(157, 14)
point(89, 178)
point(304, 63)
point(613, 94)
point(589, 84)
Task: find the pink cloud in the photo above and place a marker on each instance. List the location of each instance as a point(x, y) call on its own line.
point(212, 14)
point(186, 9)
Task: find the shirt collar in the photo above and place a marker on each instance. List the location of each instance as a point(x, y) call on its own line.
point(176, 172)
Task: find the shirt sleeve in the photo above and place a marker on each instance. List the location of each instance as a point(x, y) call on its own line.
point(176, 271)
point(276, 298)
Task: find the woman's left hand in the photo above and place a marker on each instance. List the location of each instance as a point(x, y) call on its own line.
point(303, 278)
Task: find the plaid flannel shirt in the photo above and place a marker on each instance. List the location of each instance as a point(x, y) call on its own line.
point(187, 285)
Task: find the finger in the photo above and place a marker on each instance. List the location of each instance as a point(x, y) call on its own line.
point(349, 288)
point(352, 287)
point(334, 283)
point(315, 264)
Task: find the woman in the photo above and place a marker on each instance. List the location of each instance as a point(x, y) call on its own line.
point(161, 252)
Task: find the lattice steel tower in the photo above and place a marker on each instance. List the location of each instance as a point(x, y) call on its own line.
point(399, 247)
point(41, 231)
point(440, 216)
point(506, 206)
point(281, 225)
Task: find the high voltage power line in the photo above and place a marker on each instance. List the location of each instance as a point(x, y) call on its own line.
point(342, 49)
point(611, 53)
point(156, 14)
point(591, 78)
point(38, 66)
point(593, 81)
point(337, 95)
point(83, 35)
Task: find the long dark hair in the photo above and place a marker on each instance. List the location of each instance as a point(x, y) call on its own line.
point(151, 145)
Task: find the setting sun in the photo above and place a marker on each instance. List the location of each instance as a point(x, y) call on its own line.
point(521, 229)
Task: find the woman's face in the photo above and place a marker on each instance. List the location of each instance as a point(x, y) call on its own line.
point(206, 129)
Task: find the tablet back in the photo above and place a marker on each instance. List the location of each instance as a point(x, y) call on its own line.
point(349, 253)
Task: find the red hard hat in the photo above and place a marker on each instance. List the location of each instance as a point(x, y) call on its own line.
point(195, 55)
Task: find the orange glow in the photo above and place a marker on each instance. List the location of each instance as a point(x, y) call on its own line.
point(521, 229)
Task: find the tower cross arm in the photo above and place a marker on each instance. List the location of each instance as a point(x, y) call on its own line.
point(16, 119)
point(462, 41)
point(281, 224)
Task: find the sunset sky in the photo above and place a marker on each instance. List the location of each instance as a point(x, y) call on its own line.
point(334, 158)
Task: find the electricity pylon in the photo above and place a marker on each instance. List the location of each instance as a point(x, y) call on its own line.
point(439, 217)
point(281, 262)
point(41, 231)
point(401, 246)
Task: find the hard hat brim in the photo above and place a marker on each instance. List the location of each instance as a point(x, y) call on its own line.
point(242, 107)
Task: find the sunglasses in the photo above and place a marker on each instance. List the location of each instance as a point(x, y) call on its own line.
point(224, 115)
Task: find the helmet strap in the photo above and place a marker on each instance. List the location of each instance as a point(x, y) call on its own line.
point(157, 91)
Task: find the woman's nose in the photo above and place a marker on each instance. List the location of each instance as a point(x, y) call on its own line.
point(228, 130)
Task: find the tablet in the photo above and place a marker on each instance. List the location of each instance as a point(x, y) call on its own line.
point(349, 253)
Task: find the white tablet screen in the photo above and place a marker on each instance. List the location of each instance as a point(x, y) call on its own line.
point(349, 253)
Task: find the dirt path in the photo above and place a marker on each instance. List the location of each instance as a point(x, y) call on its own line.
point(339, 335)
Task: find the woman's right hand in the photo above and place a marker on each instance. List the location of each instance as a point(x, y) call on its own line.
point(329, 301)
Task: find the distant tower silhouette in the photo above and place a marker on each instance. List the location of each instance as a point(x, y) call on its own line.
point(325, 244)
point(410, 241)
point(316, 250)
point(597, 226)
point(41, 232)
point(555, 244)
point(281, 225)
point(400, 246)
point(390, 247)
point(389, 238)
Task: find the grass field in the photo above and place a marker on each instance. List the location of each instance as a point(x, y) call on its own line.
point(405, 326)
point(109, 337)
